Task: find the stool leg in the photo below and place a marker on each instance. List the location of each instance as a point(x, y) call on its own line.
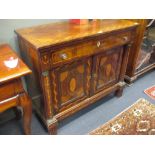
point(26, 104)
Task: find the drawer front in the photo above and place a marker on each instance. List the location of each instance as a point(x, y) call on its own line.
point(83, 49)
point(49, 60)
point(112, 41)
point(7, 90)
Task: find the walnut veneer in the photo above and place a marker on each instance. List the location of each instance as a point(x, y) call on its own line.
point(12, 93)
point(75, 65)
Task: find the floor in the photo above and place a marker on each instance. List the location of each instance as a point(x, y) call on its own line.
point(87, 119)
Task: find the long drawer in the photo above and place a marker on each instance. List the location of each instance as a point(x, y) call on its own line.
point(50, 59)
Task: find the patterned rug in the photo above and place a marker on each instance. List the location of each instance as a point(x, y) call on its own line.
point(150, 92)
point(138, 119)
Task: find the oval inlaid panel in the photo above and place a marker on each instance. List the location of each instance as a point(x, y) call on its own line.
point(108, 70)
point(72, 84)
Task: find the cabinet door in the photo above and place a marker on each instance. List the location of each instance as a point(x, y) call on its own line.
point(106, 68)
point(71, 83)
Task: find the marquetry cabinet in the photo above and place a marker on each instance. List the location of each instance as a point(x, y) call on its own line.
point(74, 65)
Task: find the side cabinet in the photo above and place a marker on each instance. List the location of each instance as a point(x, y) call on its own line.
point(75, 65)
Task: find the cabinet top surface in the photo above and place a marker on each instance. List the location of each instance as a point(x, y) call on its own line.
point(55, 33)
point(11, 66)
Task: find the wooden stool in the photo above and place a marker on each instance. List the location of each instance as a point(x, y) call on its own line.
point(12, 93)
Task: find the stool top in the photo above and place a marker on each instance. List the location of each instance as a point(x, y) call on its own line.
point(11, 66)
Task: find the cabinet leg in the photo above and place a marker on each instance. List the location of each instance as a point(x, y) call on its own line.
point(130, 80)
point(26, 104)
point(119, 92)
point(53, 127)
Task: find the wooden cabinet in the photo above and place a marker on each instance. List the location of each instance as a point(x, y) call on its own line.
point(74, 65)
point(142, 55)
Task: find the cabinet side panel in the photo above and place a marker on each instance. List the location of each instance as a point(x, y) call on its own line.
point(30, 57)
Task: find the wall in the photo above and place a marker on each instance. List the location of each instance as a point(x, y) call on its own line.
point(7, 27)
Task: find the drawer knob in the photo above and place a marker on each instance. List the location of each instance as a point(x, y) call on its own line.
point(125, 38)
point(63, 56)
point(98, 44)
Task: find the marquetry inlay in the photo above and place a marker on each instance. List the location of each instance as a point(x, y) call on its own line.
point(76, 65)
point(72, 84)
